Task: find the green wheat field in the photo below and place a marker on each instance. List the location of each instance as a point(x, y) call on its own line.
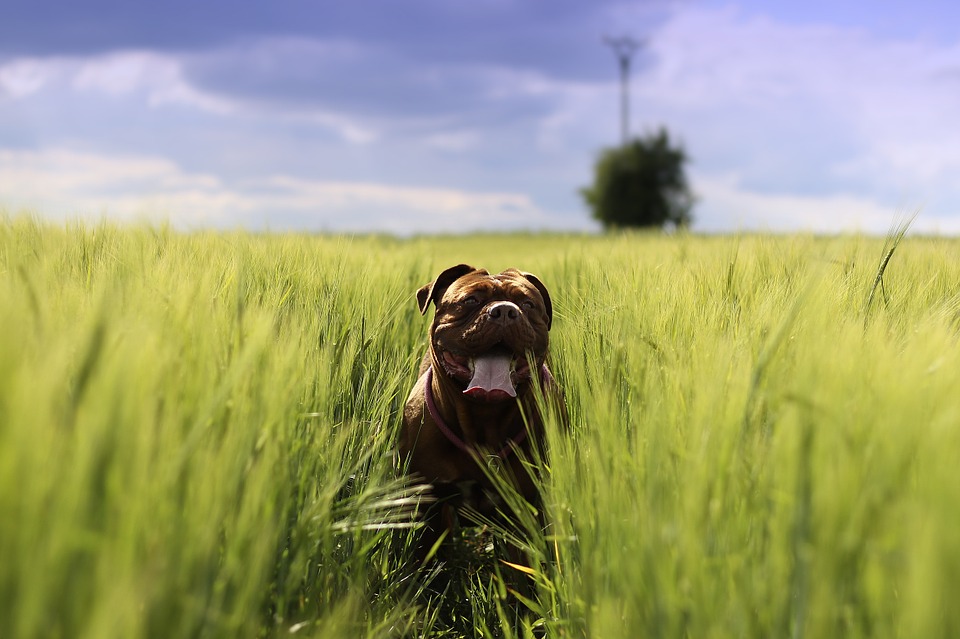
point(196, 435)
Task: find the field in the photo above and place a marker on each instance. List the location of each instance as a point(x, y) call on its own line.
point(196, 433)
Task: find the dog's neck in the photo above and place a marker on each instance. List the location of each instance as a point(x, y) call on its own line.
point(499, 426)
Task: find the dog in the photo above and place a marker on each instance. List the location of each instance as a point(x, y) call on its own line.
point(474, 401)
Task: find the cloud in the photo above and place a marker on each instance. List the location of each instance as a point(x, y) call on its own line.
point(559, 39)
point(135, 104)
point(369, 83)
point(801, 111)
point(488, 114)
point(64, 183)
point(786, 212)
point(23, 77)
point(68, 184)
point(159, 78)
point(148, 80)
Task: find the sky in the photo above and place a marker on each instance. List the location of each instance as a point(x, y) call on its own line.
point(437, 116)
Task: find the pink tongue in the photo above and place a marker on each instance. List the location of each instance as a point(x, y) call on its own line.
point(491, 378)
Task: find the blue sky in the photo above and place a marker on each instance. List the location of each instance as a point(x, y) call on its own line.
point(441, 115)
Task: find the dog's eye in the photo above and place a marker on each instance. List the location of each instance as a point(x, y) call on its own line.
point(471, 301)
point(528, 305)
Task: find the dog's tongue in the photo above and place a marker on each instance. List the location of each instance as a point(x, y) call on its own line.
point(491, 378)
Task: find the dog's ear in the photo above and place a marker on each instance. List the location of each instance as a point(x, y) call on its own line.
point(544, 293)
point(433, 291)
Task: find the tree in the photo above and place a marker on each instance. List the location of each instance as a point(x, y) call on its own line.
point(641, 184)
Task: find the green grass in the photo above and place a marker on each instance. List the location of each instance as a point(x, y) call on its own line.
point(196, 434)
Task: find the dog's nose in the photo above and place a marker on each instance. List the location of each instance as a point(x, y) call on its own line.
point(503, 311)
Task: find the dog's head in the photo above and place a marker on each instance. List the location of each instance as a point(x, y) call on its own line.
point(485, 327)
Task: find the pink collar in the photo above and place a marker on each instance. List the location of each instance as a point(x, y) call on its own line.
point(456, 441)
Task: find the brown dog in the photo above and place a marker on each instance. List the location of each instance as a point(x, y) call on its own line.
point(474, 399)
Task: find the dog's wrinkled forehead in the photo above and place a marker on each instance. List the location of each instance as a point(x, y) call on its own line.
point(482, 284)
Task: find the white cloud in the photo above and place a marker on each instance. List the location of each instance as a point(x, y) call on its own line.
point(453, 140)
point(723, 194)
point(788, 126)
point(829, 126)
point(348, 129)
point(359, 206)
point(158, 77)
point(23, 77)
point(122, 73)
point(63, 183)
point(37, 172)
point(789, 212)
point(159, 80)
point(67, 184)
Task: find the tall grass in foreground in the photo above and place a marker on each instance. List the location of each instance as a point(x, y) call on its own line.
point(181, 418)
point(196, 433)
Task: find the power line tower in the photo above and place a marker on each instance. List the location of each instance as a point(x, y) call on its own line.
point(624, 47)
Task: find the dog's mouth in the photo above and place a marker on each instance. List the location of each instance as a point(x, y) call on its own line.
point(490, 376)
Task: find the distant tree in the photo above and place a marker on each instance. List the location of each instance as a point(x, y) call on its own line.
point(641, 184)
